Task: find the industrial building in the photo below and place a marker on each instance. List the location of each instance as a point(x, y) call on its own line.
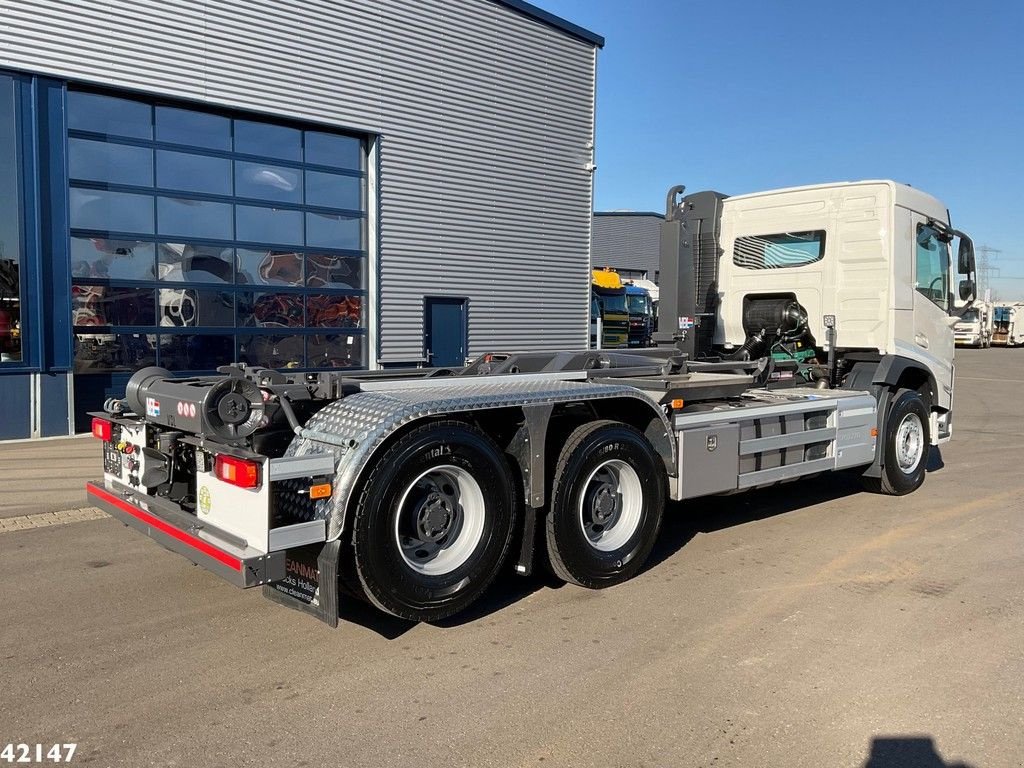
point(628, 242)
point(301, 185)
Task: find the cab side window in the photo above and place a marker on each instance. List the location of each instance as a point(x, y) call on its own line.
point(932, 266)
point(786, 249)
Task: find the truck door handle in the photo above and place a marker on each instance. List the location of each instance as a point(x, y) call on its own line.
point(921, 339)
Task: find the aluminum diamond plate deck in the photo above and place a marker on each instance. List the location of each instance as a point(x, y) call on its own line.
point(354, 427)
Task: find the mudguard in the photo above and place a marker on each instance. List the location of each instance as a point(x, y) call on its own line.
point(355, 427)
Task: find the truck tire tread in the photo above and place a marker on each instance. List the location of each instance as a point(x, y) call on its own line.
point(366, 580)
point(892, 481)
point(557, 559)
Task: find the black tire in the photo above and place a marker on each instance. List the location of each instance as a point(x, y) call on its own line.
point(900, 479)
point(605, 447)
point(399, 497)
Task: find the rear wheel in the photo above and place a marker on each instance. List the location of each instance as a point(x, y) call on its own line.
point(606, 505)
point(434, 521)
point(906, 445)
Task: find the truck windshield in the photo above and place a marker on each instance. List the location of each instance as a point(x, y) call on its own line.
point(638, 305)
point(614, 302)
point(1002, 314)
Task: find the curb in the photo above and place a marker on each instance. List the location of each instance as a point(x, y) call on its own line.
point(49, 519)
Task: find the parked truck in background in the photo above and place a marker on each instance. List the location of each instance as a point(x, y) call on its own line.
point(974, 329)
point(411, 489)
point(1008, 324)
point(652, 290)
point(641, 316)
point(612, 308)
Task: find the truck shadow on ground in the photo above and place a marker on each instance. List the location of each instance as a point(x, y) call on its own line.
point(907, 752)
point(508, 589)
point(685, 519)
point(682, 522)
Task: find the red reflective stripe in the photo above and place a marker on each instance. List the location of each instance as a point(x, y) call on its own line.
point(170, 530)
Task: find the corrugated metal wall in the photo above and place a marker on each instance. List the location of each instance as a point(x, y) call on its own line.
point(628, 241)
point(484, 114)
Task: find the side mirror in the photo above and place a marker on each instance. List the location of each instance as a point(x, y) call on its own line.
point(965, 257)
point(967, 289)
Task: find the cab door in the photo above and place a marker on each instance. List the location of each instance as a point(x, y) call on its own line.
point(933, 335)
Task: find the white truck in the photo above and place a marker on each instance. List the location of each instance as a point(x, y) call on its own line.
point(824, 343)
point(1008, 324)
point(974, 328)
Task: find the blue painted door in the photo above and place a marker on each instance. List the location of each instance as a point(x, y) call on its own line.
point(445, 331)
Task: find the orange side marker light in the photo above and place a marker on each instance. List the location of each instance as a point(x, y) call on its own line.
point(320, 491)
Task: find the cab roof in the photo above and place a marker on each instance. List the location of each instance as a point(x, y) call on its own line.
point(902, 194)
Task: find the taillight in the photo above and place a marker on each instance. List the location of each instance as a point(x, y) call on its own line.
point(244, 474)
point(102, 429)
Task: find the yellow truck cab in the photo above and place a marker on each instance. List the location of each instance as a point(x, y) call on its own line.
point(612, 310)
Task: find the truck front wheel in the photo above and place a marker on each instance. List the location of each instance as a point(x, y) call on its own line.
point(606, 505)
point(906, 445)
point(433, 523)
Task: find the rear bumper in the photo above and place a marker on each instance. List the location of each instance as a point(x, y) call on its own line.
point(177, 530)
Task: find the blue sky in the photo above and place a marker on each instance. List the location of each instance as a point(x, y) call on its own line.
point(741, 95)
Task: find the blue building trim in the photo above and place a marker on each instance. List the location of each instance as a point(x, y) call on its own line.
point(28, 271)
point(56, 259)
point(32, 248)
point(378, 352)
point(573, 30)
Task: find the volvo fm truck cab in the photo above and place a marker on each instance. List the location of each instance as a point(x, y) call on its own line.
point(853, 284)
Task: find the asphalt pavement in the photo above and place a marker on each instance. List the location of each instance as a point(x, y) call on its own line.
point(810, 625)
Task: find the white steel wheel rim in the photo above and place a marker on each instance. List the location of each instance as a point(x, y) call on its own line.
point(909, 443)
point(440, 520)
point(610, 505)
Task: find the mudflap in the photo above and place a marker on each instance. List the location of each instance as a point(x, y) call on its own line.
point(884, 397)
point(310, 584)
